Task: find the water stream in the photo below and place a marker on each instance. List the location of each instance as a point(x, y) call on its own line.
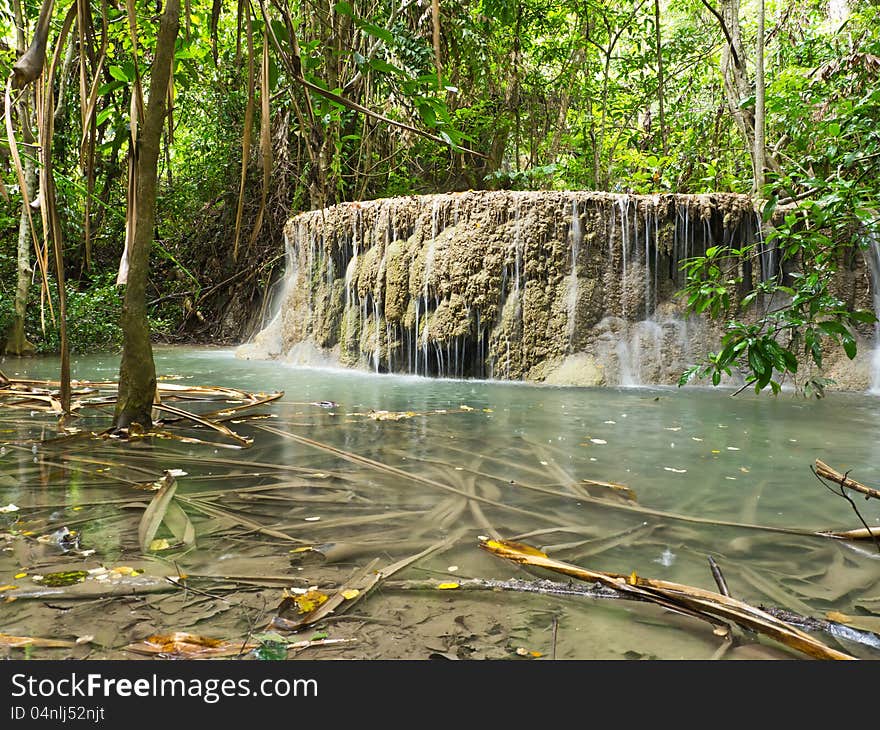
point(692, 457)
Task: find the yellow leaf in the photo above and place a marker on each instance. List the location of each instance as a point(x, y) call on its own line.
point(535, 654)
point(447, 586)
point(20, 575)
point(125, 570)
point(839, 617)
point(715, 451)
point(309, 601)
point(7, 588)
point(350, 593)
point(488, 410)
point(508, 546)
point(633, 579)
point(159, 544)
point(301, 550)
point(465, 408)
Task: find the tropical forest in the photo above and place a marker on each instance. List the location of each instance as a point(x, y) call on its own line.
point(523, 330)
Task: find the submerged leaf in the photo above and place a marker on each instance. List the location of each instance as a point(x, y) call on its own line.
point(22, 641)
point(125, 570)
point(63, 578)
point(273, 651)
point(155, 512)
point(184, 645)
point(309, 601)
point(510, 547)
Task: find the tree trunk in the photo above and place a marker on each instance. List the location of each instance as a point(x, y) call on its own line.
point(30, 65)
point(438, 64)
point(660, 80)
point(760, 153)
point(16, 340)
point(137, 371)
point(737, 86)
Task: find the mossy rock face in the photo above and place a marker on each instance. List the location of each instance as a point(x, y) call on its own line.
point(397, 265)
point(370, 272)
point(539, 285)
point(326, 316)
point(449, 320)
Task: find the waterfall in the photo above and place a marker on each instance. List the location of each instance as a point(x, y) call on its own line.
point(497, 284)
point(873, 256)
point(576, 235)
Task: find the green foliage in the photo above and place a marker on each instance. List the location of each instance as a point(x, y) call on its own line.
point(829, 114)
point(92, 317)
point(555, 95)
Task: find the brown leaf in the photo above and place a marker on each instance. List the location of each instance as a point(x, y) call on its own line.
point(183, 645)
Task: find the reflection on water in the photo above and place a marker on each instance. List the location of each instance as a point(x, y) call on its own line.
point(466, 458)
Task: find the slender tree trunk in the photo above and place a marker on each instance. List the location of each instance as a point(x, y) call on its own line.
point(16, 339)
point(137, 371)
point(29, 66)
point(660, 80)
point(737, 86)
point(760, 152)
point(435, 18)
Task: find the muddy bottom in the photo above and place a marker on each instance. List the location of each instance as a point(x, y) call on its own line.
point(343, 520)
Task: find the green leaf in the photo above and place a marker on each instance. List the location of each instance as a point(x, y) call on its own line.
point(105, 89)
point(863, 315)
point(769, 207)
point(687, 376)
point(380, 64)
point(344, 8)
point(272, 651)
point(426, 111)
point(118, 73)
point(849, 346)
point(374, 30)
point(104, 115)
point(756, 360)
point(833, 327)
point(791, 362)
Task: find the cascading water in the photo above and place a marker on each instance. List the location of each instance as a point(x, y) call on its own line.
point(555, 286)
point(576, 235)
point(872, 254)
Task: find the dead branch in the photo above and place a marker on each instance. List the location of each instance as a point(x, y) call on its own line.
point(689, 600)
point(826, 472)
